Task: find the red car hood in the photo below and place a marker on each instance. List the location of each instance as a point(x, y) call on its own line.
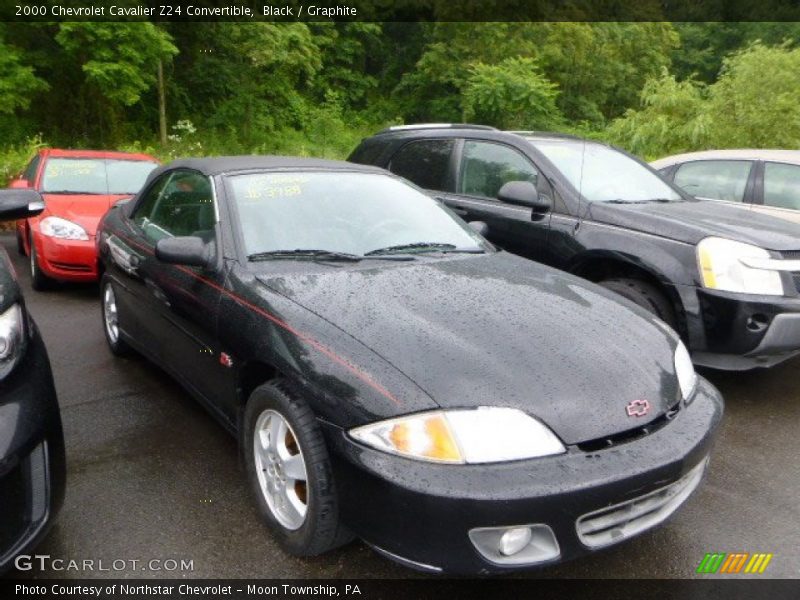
point(84, 209)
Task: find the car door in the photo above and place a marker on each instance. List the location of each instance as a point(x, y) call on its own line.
point(780, 192)
point(724, 180)
point(181, 301)
point(483, 168)
point(128, 252)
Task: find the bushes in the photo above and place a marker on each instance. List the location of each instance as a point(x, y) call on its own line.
point(513, 94)
point(753, 103)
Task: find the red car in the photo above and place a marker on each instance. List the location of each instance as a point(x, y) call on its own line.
point(78, 187)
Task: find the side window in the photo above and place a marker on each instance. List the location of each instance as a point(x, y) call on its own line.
point(425, 162)
point(782, 185)
point(715, 179)
point(485, 167)
point(30, 171)
point(179, 203)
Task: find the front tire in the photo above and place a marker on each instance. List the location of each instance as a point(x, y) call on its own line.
point(645, 295)
point(39, 281)
point(290, 472)
point(110, 311)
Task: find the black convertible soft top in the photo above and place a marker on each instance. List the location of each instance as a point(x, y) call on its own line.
point(226, 164)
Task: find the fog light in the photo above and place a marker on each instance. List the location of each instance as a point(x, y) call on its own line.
point(516, 545)
point(514, 540)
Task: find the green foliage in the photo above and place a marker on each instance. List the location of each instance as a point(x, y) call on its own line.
point(752, 104)
point(755, 100)
point(118, 59)
point(672, 119)
point(18, 83)
point(513, 94)
point(318, 88)
point(599, 67)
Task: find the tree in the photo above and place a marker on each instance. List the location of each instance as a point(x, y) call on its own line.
point(752, 104)
point(755, 100)
point(119, 63)
point(18, 82)
point(513, 94)
point(673, 118)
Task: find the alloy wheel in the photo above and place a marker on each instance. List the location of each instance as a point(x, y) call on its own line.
point(281, 469)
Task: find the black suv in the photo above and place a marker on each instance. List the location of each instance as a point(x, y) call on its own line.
point(32, 464)
point(727, 280)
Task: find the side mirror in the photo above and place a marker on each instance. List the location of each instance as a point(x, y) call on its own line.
point(524, 193)
point(184, 250)
point(122, 201)
point(479, 227)
point(20, 204)
point(19, 184)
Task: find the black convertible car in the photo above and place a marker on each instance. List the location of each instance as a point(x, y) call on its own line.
point(32, 465)
point(390, 375)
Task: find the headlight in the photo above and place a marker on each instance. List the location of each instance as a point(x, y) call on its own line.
point(721, 268)
point(12, 338)
point(61, 228)
point(684, 369)
point(481, 435)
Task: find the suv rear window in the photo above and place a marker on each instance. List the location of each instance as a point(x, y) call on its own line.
point(424, 162)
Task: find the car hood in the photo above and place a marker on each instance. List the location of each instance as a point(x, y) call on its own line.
point(498, 330)
point(84, 209)
point(692, 221)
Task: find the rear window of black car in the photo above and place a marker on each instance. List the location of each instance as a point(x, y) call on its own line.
point(425, 162)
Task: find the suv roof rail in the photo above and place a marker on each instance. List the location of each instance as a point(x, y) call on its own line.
point(413, 126)
point(551, 134)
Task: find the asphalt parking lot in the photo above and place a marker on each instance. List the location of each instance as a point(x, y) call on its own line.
point(152, 476)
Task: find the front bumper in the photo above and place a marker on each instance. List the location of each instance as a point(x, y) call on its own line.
point(32, 464)
point(67, 260)
point(421, 514)
point(739, 332)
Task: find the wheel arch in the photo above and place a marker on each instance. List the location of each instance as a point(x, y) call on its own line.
point(602, 265)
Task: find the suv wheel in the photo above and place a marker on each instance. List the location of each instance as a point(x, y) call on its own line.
point(645, 295)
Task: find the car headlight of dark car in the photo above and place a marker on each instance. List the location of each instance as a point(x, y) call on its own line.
point(687, 377)
point(12, 338)
point(463, 436)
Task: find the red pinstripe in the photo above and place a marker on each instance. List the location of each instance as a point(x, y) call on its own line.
point(363, 376)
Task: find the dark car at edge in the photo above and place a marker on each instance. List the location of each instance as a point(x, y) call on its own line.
point(727, 280)
point(390, 375)
point(32, 462)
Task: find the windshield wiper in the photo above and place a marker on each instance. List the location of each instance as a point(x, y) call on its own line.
point(648, 201)
point(329, 255)
point(304, 253)
point(422, 247)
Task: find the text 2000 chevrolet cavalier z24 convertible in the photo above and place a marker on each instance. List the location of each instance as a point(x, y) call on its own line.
point(391, 376)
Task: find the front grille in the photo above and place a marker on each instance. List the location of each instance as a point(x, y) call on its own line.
point(71, 267)
point(790, 254)
point(630, 435)
point(619, 522)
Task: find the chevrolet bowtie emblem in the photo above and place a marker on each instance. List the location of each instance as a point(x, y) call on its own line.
point(637, 408)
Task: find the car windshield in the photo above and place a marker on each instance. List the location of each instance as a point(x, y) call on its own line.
point(602, 174)
point(95, 176)
point(308, 212)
